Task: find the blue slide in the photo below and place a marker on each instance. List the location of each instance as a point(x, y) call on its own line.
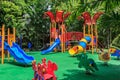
point(50, 49)
point(19, 55)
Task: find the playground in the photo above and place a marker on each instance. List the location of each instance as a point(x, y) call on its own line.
point(52, 40)
point(67, 68)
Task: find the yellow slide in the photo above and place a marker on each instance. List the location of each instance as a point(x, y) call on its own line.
point(80, 47)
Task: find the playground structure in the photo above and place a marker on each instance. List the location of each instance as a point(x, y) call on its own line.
point(57, 27)
point(70, 37)
point(8, 43)
point(10, 38)
point(90, 29)
point(58, 30)
point(2, 38)
point(58, 33)
point(44, 71)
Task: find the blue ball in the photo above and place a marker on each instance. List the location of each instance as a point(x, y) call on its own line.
point(88, 38)
point(83, 44)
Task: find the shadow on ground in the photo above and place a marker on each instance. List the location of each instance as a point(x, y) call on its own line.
point(19, 64)
point(110, 72)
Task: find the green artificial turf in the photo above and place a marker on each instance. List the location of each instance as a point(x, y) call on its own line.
point(67, 68)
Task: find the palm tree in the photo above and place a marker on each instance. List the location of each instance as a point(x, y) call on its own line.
point(110, 23)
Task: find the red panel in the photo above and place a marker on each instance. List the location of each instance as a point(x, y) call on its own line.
point(72, 36)
point(66, 15)
point(87, 18)
point(96, 16)
point(59, 16)
point(51, 15)
point(53, 31)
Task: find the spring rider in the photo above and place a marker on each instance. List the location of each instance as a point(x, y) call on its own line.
point(88, 63)
point(44, 71)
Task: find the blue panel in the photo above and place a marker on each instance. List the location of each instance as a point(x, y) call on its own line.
point(88, 38)
point(83, 44)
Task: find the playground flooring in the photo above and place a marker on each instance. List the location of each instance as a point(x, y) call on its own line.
point(67, 68)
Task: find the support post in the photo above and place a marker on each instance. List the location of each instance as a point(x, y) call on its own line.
point(92, 39)
point(84, 30)
point(8, 40)
point(96, 38)
point(3, 36)
point(14, 34)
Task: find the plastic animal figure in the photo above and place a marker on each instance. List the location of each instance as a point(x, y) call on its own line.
point(104, 56)
point(44, 71)
point(34, 67)
point(88, 63)
point(115, 52)
point(51, 68)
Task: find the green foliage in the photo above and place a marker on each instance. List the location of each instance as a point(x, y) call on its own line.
point(27, 17)
point(109, 26)
point(116, 42)
point(72, 6)
point(36, 25)
point(10, 14)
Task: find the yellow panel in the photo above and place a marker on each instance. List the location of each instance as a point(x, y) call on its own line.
point(88, 35)
point(84, 40)
point(80, 48)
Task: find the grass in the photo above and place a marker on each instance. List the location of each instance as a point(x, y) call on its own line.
point(67, 68)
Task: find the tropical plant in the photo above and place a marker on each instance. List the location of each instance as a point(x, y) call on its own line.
point(10, 14)
point(27, 17)
point(115, 43)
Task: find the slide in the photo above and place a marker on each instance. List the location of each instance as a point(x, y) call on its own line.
point(19, 55)
point(80, 47)
point(50, 49)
